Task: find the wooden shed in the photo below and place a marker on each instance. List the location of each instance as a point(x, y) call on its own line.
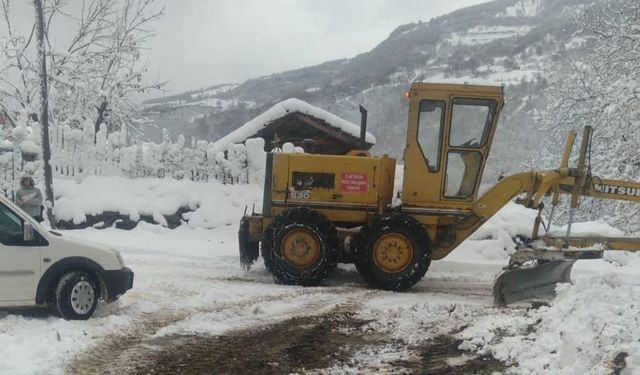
point(302, 124)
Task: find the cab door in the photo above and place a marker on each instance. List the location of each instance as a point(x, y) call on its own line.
point(19, 261)
point(468, 143)
point(449, 135)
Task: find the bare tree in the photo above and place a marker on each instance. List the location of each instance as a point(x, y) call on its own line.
point(44, 117)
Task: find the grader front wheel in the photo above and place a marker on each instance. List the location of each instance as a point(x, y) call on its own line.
point(300, 247)
point(392, 252)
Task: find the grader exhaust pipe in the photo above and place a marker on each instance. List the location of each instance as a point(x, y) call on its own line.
point(363, 127)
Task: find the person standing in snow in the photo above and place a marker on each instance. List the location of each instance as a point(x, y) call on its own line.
point(29, 198)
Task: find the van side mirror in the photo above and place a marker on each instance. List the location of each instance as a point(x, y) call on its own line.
point(27, 232)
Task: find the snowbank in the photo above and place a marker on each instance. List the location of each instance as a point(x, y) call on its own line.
point(587, 326)
point(493, 242)
point(282, 109)
point(36, 344)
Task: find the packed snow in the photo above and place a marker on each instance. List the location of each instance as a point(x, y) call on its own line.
point(188, 281)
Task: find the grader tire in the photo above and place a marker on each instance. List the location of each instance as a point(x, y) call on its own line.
point(393, 252)
point(300, 247)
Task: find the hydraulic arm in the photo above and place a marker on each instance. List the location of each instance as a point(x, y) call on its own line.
point(554, 256)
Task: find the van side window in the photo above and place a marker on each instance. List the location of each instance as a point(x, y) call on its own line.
point(10, 227)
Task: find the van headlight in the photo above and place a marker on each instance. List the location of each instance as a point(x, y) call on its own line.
point(118, 256)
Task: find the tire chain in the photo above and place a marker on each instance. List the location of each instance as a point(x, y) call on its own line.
point(303, 215)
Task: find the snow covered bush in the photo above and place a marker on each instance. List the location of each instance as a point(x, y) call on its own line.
point(153, 197)
point(256, 160)
point(75, 155)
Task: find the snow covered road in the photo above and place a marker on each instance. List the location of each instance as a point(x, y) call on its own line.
point(194, 310)
point(189, 283)
point(201, 291)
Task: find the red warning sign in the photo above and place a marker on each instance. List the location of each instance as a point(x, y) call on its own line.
point(354, 182)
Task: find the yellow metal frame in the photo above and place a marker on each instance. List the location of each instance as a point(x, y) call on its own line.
point(371, 196)
point(421, 186)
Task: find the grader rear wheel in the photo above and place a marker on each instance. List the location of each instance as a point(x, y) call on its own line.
point(392, 252)
point(300, 247)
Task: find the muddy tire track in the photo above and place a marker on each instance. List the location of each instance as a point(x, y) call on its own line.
point(295, 345)
point(119, 352)
point(131, 350)
point(324, 330)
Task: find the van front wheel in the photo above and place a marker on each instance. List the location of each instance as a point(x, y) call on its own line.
point(77, 295)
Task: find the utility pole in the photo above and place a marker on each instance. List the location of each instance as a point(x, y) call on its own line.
point(44, 117)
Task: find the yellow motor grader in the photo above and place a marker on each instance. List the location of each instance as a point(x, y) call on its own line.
point(321, 210)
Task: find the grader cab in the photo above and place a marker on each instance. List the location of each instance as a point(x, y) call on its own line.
point(319, 210)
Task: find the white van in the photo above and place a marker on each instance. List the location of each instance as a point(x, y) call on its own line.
point(39, 267)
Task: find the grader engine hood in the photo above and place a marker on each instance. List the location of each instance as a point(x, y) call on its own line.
point(344, 188)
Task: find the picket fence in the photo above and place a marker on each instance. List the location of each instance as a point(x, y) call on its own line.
point(74, 155)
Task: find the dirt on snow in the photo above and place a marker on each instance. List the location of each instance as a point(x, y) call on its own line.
point(311, 344)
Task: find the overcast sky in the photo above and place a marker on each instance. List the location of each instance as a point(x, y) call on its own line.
point(200, 43)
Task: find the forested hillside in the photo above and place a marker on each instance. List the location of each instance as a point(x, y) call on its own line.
point(509, 42)
point(564, 64)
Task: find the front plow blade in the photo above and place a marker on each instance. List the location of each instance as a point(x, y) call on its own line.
point(538, 282)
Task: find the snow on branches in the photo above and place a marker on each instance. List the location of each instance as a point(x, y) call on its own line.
point(75, 155)
point(602, 89)
point(94, 75)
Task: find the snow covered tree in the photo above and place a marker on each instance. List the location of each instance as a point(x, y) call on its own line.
point(94, 75)
point(602, 89)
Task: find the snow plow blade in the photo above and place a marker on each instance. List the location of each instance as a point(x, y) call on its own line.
point(534, 283)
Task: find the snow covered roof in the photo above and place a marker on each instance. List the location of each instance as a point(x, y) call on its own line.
point(280, 110)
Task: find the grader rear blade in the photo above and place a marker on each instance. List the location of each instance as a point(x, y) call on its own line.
point(533, 283)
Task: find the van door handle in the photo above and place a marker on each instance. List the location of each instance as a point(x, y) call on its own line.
point(46, 260)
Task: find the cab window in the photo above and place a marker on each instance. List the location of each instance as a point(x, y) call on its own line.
point(10, 227)
point(471, 121)
point(430, 121)
point(463, 169)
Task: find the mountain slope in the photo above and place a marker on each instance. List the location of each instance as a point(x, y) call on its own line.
point(508, 42)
